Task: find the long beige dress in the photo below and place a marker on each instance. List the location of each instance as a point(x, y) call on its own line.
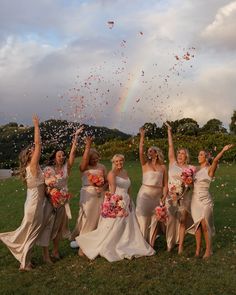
point(148, 199)
point(21, 241)
point(91, 199)
point(202, 203)
point(175, 210)
point(116, 238)
point(55, 220)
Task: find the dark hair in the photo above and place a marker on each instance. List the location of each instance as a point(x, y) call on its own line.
point(52, 157)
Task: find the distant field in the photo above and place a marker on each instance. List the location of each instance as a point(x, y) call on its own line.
point(164, 273)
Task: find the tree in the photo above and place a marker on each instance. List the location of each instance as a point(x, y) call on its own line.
point(232, 126)
point(190, 128)
point(150, 129)
point(213, 126)
point(178, 125)
point(11, 124)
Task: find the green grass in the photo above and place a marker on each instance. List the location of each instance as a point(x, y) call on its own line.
point(164, 273)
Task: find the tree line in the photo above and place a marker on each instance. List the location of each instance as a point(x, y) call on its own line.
point(187, 133)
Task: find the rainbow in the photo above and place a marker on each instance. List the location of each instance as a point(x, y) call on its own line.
point(127, 95)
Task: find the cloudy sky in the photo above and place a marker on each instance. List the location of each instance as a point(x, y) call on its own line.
point(117, 63)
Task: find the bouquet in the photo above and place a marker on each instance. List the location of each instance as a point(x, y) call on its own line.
point(58, 197)
point(187, 175)
point(161, 213)
point(113, 206)
point(96, 180)
point(176, 189)
point(51, 178)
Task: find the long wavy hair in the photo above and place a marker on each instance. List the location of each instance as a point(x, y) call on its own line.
point(160, 156)
point(52, 157)
point(114, 158)
point(24, 160)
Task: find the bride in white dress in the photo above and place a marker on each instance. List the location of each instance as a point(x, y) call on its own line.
point(120, 237)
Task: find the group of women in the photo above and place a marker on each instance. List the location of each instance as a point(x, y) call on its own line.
point(132, 234)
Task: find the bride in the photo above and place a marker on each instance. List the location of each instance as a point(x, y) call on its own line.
point(118, 237)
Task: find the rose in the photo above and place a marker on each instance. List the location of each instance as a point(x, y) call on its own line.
point(189, 180)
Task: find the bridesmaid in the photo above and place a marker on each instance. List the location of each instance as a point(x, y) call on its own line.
point(202, 203)
point(91, 193)
point(56, 176)
point(153, 190)
point(21, 241)
point(179, 216)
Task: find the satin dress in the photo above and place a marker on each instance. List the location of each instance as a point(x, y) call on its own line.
point(116, 238)
point(91, 199)
point(149, 197)
point(56, 221)
point(202, 203)
point(21, 241)
point(174, 210)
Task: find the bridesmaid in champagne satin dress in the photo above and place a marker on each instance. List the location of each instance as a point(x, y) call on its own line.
point(91, 193)
point(21, 241)
point(202, 203)
point(154, 188)
point(179, 215)
point(120, 237)
point(57, 220)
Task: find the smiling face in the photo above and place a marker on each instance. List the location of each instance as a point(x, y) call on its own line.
point(60, 158)
point(119, 163)
point(182, 156)
point(202, 157)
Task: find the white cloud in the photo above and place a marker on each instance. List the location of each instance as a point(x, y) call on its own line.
point(49, 49)
point(221, 32)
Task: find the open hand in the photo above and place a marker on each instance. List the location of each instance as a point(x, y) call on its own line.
point(142, 131)
point(88, 140)
point(227, 147)
point(79, 130)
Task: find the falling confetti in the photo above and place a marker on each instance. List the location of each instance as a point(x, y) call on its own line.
point(110, 24)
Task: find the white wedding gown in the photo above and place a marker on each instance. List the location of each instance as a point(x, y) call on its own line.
point(116, 238)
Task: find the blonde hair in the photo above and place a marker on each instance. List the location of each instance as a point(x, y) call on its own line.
point(160, 156)
point(114, 158)
point(24, 159)
point(187, 154)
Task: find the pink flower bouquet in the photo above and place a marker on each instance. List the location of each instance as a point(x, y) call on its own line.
point(113, 206)
point(96, 180)
point(161, 213)
point(58, 197)
point(187, 175)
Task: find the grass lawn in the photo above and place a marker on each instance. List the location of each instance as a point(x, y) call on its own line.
point(164, 273)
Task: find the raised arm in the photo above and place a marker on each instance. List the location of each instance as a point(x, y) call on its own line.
point(111, 181)
point(85, 158)
point(34, 163)
point(213, 167)
point(141, 144)
point(171, 151)
point(73, 149)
